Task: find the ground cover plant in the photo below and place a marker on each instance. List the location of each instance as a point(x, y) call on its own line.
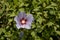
point(46, 24)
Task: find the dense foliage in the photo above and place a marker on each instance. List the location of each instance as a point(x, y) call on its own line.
point(46, 25)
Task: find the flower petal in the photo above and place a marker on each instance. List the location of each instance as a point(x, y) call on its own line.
point(18, 26)
point(23, 26)
point(29, 19)
point(27, 26)
point(17, 19)
point(22, 15)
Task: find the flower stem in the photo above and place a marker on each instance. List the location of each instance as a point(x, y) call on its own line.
point(21, 35)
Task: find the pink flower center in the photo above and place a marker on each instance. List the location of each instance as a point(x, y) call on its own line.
point(23, 21)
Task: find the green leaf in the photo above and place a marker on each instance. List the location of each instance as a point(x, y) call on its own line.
point(58, 32)
point(50, 23)
point(2, 30)
point(8, 34)
point(51, 38)
point(33, 34)
point(12, 14)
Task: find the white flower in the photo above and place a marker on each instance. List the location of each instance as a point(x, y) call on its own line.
point(23, 20)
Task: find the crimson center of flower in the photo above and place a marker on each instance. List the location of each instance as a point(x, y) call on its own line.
point(23, 21)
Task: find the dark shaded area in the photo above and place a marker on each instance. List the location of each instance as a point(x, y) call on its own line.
point(54, 37)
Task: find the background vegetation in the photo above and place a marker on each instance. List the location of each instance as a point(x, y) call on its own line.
point(46, 25)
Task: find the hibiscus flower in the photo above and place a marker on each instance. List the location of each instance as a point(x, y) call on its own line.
point(24, 20)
